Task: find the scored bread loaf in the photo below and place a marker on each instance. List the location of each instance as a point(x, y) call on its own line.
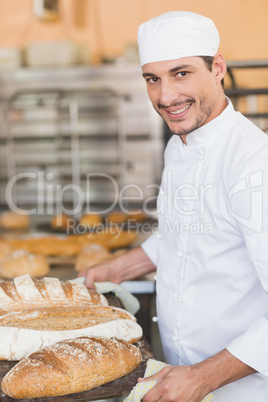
point(25, 332)
point(58, 319)
point(71, 366)
point(25, 292)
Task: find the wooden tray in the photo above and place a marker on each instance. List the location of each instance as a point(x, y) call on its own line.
point(116, 388)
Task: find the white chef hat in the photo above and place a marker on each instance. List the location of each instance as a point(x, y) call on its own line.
point(177, 34)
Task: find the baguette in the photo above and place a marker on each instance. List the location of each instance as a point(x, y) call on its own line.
point(35, 329)
point(71, 366)
point(25, 292)
point(112, 238)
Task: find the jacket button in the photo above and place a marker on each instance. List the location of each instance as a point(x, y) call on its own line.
point(180, 254)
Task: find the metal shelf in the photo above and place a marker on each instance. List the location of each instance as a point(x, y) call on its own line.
point(252, 102)
point(63, 133)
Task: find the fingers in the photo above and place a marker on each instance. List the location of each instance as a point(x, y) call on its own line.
point(109, 270)
point(151, 378)
point(152, 396)
point(90, 284)
point(98, 273)
point(155, 377)
point(89, 276)
point(82, 273)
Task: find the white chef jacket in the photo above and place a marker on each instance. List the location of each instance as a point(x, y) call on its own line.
point(211, 250)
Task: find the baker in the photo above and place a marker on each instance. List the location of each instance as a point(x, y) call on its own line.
point(211, 251)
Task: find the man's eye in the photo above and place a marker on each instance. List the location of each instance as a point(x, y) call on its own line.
point(182, 73)
point(153, 80)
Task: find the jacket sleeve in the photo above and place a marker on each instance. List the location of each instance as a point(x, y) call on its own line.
point(250, 210)
point(150, 247)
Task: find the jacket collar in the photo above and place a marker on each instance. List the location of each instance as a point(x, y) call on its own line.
point(206, 135)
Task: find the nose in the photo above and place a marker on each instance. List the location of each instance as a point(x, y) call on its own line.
point(168, 93)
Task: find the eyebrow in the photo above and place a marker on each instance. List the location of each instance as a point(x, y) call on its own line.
point(172, 70)
point(181, 67)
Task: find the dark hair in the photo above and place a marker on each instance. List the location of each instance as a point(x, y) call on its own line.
point(209, 63)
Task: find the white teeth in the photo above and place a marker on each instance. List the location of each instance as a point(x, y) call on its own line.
point(181, 110)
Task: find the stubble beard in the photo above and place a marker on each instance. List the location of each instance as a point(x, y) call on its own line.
point(205, 111)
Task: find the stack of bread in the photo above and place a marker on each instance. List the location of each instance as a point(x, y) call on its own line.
point(67, 338)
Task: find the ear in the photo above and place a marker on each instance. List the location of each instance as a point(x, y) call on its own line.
point(219, 67)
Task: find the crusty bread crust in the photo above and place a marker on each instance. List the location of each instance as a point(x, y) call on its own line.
point(71, 366)
point(58, 319)
point(17, 343)
point(25, 292)
point(25, 332)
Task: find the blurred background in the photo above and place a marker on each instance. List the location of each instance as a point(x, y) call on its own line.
point(108, 27)
point(74, 108)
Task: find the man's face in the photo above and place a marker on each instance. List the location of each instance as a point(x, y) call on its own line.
point(184, 92)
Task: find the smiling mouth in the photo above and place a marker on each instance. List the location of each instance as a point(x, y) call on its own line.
point(179, 111)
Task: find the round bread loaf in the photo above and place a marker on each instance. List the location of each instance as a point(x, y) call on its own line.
point(90, 255)
point(5, 250)
point(20, 262)
point(117, 217)
point(14, 221)
point(91, 220)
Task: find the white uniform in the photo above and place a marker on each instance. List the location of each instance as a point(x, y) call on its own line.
point(211, 251)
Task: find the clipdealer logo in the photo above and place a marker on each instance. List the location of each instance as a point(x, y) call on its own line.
point(251, 190)
point(50, 195)
point(244, 200)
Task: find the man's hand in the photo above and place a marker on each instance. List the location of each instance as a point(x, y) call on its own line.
point(175, 383)
point(102, 272)
point(125, 267)
point(192, 383)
